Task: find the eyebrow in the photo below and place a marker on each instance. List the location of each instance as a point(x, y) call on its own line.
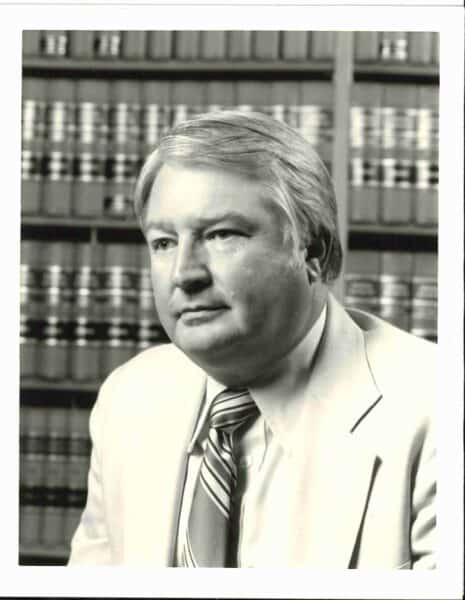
point(203, 222)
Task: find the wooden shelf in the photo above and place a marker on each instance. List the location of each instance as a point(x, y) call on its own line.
point(28, 384)
point(145, 69)
point(394, 230)
point(59, 553)
point(396, 72)
point(72, 222)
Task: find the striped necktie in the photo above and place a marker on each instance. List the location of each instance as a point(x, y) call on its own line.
point(207, 536)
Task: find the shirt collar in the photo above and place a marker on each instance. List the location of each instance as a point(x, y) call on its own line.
point(280, 403)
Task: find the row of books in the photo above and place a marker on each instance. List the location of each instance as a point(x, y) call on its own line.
point(400, 287)
point(370, 46)
point(84, 309)
point(54, 462)
point(83, 142)
point(394, 134)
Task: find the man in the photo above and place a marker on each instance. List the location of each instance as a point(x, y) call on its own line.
point(277, 429)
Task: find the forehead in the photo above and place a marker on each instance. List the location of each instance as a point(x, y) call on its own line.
point(198, 190)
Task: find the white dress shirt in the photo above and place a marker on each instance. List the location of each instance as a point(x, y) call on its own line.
point(259, 448)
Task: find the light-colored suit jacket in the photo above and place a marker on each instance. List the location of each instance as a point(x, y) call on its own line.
point(364, 449)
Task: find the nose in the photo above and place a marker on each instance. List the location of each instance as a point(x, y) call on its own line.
point(191, 272)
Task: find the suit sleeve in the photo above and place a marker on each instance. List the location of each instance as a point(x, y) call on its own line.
point(423, 530)
point(90, 544)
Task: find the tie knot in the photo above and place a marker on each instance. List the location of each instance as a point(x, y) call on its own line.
point(231, 408)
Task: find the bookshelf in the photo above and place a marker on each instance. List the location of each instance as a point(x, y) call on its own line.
point(93, 105)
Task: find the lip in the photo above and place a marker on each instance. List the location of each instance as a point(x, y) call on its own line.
point(198, 314)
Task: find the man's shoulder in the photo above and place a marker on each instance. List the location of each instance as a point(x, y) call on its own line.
point(403, 365)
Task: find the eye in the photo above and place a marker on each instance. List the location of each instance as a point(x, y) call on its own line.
point(223, 234)
point(162, 244)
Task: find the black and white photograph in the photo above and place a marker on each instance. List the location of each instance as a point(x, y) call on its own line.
point(231, 304)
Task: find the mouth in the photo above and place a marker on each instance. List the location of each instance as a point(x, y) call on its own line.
point(197, 314)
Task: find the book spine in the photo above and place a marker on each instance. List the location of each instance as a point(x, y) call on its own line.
point(265, 45)
point(31, 42)
point(219, 95)
point(316, 117)
point(394, 46)
point(33, 453)
point(30, 306)
point(33, 135)
point(91, 147)
point(156, 113)
point(107, 44)
point(82, 44)
point(188, 98)
point(58, 303)
point(366, 47)
point(322, 45)
point(59, 148)
point(365, 131)
point(395, 288)
point(118, 304)
point(212, 45)
point(55, 478)
point(134, 45)
point(186, 45)
point(160, 45)
point(362, 281)
point(239, 45)
point(435, 48)
point(424, 308)
point(54, 43)
point(285, 102)
point(426, 157)
point(78, 467)
point(86, 343)
point(397, 160)
point(123, 150)
point(295, 45)
point(253, 96)
point(420, 47)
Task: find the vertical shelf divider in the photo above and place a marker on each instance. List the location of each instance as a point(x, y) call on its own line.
point(342, 81)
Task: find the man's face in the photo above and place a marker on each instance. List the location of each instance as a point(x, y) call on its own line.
point(227, 286)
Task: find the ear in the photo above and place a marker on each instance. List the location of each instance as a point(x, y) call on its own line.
point(314, 254)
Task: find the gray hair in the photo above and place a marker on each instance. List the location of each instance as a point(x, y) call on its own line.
point(263, 149)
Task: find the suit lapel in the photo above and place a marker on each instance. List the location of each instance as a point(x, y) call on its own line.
point(340, 469)
point(153, 498)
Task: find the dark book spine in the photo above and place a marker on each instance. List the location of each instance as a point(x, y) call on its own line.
point(424, 308)
point(295, 45)
point(58, 305)
point(322, 45)
point(32, 151)
point(54, 43)
point(124, 148)
point(31, 302)
point(134, 45)
point(55, 478)
point(31, 42)
point(395, 288)
point(420, 47)
point(59, 148)
point(86, 344)
point(316, 117)
point(394, 46)
point(219, 95)
point(78, 468)
point(160, 45)
point(366, 47)
point(364, 169)
point(265, 45)
point(107, 44)
point(186, 45)
point(32, 469)
point(239, 45)
point(81, 44)
point(426, 157)
point(362, 283)
point(285, 102)
point(91, 147)
point(212, 45)
point(253, 96)
point(188, 98)
point(397, 160)
point(156, 115)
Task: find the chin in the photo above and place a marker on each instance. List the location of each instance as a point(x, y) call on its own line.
point(204, 344)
